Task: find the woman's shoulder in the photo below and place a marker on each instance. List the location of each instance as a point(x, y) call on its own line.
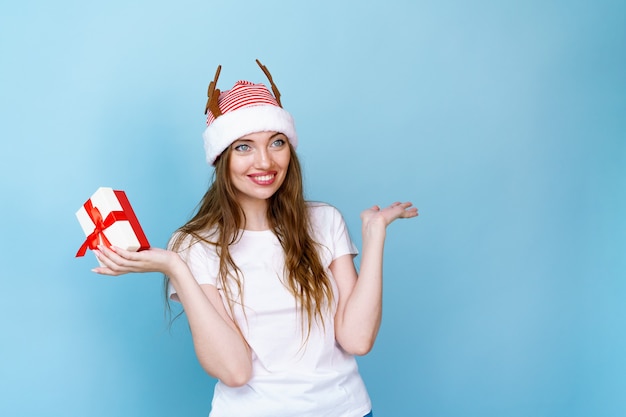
point(198, 250)
point(320, 209)
point(321, 213)
point(200, 240)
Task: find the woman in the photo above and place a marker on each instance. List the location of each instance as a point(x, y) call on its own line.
point(276, 308)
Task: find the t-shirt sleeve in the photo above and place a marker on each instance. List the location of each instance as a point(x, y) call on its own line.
point(331, 232)
point(203, 263)
point(343, 243)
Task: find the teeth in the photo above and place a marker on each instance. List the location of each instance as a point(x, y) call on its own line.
point(264, 177)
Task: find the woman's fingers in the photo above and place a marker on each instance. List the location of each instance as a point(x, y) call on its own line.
point(107, 267)
point(116, 261)
point(408, 210)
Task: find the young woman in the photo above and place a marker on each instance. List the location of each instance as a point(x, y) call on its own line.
point(276, 308)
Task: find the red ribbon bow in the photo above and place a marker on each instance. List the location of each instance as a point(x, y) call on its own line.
point(94, 238)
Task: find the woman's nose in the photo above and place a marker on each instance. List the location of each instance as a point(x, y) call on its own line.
point(263, 159)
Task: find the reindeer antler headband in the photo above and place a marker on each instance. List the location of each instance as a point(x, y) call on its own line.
point(246, 108)
point(213, 93)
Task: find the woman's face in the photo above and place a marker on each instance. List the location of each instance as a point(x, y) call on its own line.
point(258, 165)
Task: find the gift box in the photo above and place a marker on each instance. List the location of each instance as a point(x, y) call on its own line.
point(107, 218)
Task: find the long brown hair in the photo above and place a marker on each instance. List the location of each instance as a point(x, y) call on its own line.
point(220, 217)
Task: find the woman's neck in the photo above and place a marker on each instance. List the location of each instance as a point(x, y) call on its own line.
point(256, 215)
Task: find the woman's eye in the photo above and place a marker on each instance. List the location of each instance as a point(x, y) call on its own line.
point(242, 148)
point(278, 142)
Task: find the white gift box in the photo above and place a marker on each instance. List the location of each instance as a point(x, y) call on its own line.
point(107, 218)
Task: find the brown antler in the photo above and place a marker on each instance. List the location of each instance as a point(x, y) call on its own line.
point(213, 95)
point(269, 77)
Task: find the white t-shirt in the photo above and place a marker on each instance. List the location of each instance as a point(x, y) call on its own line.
point(289, 378)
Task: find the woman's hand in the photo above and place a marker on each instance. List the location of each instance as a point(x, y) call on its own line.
point(118, 261)
point(387, 215)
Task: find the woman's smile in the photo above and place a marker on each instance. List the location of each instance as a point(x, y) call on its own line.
point(263, 178)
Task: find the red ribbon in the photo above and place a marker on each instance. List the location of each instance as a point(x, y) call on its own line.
point(93, 239)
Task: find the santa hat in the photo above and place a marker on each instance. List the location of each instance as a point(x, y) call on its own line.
point(246, 108)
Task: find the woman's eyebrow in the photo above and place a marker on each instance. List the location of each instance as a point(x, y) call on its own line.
point(244, 140)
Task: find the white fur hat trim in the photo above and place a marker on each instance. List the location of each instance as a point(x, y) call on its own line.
point(246, 120)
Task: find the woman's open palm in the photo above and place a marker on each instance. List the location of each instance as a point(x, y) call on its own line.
point(388, 214)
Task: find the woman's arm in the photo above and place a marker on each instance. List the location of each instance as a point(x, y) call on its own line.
point(359, 310)
point(220, 347)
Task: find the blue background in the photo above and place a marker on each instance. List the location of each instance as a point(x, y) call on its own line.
point(504, 122)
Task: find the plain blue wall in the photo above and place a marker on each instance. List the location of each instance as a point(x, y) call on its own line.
point(504, 122)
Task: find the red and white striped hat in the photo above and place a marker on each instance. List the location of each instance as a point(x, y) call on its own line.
point(246, 108)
